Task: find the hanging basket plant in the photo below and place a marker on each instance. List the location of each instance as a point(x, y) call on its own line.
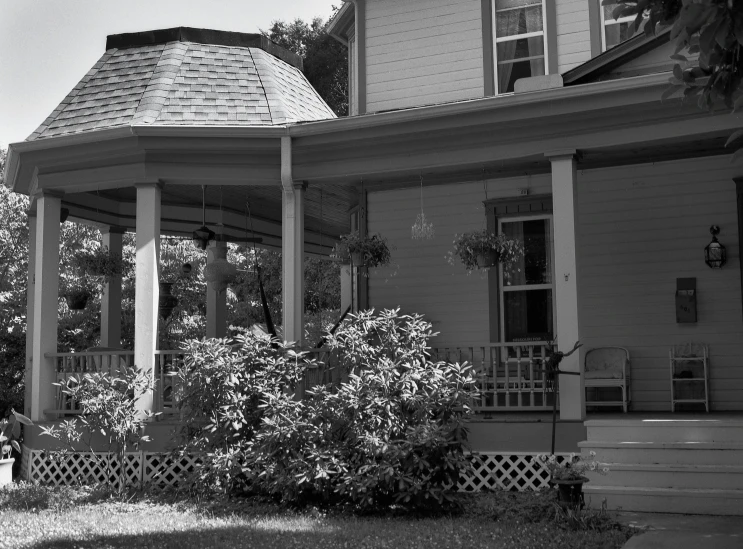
point(77, 298)
point(100, 263)
point(480, 250)
point(220, 272)
point(167, 301)
point(367, 251)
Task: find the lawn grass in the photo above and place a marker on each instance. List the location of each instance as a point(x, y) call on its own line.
point(36, 517)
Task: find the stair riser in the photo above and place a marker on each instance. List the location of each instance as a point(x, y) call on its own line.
point(666, 503)
point(667, 456)
point(668, 433)
point(671, 479)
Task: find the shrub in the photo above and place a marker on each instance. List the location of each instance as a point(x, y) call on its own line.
point(108, 408)
point(393, 433)
point(221, 386)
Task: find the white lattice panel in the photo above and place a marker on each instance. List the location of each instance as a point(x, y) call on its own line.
point(514, 472)
point(82, 468)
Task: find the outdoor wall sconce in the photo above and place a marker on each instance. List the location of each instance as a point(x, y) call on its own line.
point(715, 254)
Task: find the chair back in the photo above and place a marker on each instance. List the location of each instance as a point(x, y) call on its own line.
point(607, 358)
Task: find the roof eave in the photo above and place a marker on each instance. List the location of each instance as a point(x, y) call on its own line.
point(615, 57)
point(343, 20)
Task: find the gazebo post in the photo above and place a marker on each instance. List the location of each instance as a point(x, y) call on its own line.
point(45, 302)
point(216, 301)
point(147, 291)
point(30, 289)
point(112, 238)
point(292, 247)
point(564, 193)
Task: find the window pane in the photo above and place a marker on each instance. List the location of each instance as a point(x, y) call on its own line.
point(507, 4)
point(518, 21)
point(528, 315)
point(535, 267)
point(520, 48)
point(510, 72)
point(619, 32)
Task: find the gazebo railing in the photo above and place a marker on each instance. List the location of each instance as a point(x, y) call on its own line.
point(67, 365)
point(511, 375)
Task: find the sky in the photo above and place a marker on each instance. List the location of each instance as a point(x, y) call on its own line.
point(47, 46)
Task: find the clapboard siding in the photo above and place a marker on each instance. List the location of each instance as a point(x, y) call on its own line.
point(573, 27)
point(421, 280)
point(422, 52)
point(640, 228)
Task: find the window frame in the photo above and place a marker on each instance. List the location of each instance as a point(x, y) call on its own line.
point(543, 33)
point(605, 23)
point(503, 288)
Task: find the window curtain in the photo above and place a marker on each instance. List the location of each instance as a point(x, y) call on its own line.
point(509, 22)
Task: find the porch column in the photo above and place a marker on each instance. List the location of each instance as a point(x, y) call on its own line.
point(147, 291)
point(564, 195)
point(111, 238)
point(347, 290)
point(45, 302)
point(292, 248)
point(216, 301)
point(30, 311)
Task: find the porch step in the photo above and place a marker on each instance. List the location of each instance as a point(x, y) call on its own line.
point(666, 430)
point(669, 453)
point(667, 500)
point(699, 477)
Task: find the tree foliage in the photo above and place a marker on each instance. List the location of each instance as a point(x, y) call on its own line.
point(710, 33)
point(325, 59)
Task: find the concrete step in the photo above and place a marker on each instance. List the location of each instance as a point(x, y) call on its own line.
point(666, 453)
point(665, 430)
point(720, 477)
point(666, 500)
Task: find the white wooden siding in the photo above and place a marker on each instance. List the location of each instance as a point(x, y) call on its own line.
point(573, 33)
point(422, 52)
point(640, 228)
point(421, 281)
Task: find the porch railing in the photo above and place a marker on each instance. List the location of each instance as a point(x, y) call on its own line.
point(511, 375)
point(67, 365)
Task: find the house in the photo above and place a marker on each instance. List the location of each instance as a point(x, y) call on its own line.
point(532, 118)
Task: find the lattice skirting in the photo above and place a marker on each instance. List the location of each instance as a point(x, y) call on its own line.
point(513, 471)
point(151, 467)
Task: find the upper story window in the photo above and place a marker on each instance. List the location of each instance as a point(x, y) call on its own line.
point(520, 44)
point(616, 31)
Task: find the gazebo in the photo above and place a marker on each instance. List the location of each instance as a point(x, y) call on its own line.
point(141, 144)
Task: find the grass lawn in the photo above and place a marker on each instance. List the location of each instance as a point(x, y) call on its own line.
point(37, 517)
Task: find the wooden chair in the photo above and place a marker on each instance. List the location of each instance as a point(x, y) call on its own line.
point(608, 367)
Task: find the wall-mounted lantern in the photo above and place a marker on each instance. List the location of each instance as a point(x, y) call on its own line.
point(715, 254)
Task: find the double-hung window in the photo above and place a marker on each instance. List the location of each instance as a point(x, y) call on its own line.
point(616, 31)
point(527, 288)
point(519, 41)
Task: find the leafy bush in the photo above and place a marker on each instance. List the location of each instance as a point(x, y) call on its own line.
point(108, 408)
point(392, 433)
point(220, 389)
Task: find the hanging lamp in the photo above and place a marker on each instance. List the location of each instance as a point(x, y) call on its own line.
point(203, 235)
point(422, 228)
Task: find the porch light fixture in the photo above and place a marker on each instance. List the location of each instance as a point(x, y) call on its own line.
point(715, 254)
point(203, 234)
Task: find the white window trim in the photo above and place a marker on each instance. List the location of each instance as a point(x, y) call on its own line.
point(611, 21)
point(497, 40)
point(503, 288)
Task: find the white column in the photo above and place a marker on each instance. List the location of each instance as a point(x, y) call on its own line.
point(216, 301)
point(147, 291)
point(564, 203)
point(45, 303)
point(30, 310)
point(111, 238)
point(292, 248)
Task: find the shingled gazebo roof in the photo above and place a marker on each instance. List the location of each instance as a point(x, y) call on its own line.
point(185, 76)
